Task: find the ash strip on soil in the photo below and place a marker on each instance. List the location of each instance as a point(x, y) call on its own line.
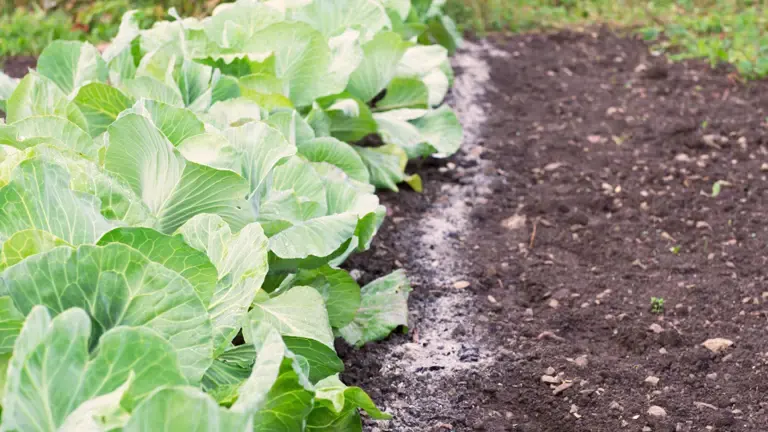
point(600, 159)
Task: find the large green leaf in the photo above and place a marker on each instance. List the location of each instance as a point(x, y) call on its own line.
point(303, 61)
point(259, 148)
point(332, 17)
point(72, 64)
point(101, 104)
point(299, 312)
point(404, 93)
point(337, 153)
point(351, 120)
point(294, 128)
point(386, 165)
point(340, 292)
point(173, 189)
point(275, 392)
point(177, 124)
point(233, 112)
point(11, 321)
point(54, 130)
point(185, 409)
point(172, 252)
point(150, 88)
point(442, 130)
point(54, 386)
point(37, 95)
point(333, 393)
point(39, 197)
point(380, 60)
point(383, 307)
point(241, 262)
point(117, 285)
point(27, 243)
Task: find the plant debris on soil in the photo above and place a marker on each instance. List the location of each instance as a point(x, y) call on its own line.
point(586, 187)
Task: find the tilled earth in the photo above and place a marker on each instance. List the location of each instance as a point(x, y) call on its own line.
point(597, 176)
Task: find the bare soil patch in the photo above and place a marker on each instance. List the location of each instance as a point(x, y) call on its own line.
point(588, 188)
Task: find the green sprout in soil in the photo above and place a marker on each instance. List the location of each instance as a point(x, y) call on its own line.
point(657, 305)
point(675, 249)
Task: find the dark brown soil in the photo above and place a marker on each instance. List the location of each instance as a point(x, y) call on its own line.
point(17, 66)
point(611, 155)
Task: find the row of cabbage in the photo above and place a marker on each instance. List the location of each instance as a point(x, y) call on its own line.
point(175, 211)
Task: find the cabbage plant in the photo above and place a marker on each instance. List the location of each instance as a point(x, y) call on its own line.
point(176, 209)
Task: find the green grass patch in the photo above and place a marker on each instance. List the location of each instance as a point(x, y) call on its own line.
point(720, 31)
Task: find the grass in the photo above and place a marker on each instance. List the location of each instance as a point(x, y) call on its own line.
point(26, 28)
point(720, 31)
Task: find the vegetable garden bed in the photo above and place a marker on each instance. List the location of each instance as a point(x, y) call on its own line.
point(174, 211)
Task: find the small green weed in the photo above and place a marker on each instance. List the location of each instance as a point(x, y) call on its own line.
point(657, 305)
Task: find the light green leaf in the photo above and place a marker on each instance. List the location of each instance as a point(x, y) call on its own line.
point(383, 307)
point(126, 33)
point(332, 17)
point(241, 262)
point(333, 393)
point(27, 243)
point(36, 95)
point(259, 148)
point(404, 93)
point(177, 124)
point(174, 190)
point(340, 292)
point(404, 134)
point(318, 237)
point(234, 112)
point(185, 409)
point(437, 83)
point(117, 285)
point(402, 7)
point(97, 414)
point(39, 197)
point(173, 253)
point(321, 359)
point(380, 60)
point(419, 60)
point(156, 364)
point(294, 128)
point(303, 61)
point(335, 152)
point(194, 82)
point(101, 104)
point(351, 120)
point(150, 88)
point(232, 25)
point(224, 88)
point(72, 64)
point(54, 130)
point(118, 201)
point(11, 322)
point(386, 165)
point(443, 30)
point(253, 393)
point(53, 386)
point(299, 312)
point(442, 130)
